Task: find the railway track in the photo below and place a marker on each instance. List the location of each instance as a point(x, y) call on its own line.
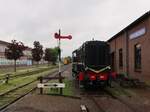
point(17, 93)
point(95, 98)
point(27, 73)
point(120, 100)
point(90, 95)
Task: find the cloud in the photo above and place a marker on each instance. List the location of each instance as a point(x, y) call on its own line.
point(30, 20)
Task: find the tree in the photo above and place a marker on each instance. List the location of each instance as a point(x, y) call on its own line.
point(14, 51)
point(54, 55)
point(51, 55)
point(48, 54)
point(37, 51)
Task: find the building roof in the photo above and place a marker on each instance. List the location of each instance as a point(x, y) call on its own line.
point(3, 42)
point(143, 17)
point(6, 43)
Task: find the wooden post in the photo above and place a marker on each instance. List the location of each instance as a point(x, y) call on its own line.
point(7, 78)
point(41, 81)
point(60, 80)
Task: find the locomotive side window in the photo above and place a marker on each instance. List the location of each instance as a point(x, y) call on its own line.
point(74, 57)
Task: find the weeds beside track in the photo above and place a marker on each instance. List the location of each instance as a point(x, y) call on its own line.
point(15, 94)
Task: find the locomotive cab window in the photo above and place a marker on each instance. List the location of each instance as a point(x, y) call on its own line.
point(137, 57)
point(74, 57)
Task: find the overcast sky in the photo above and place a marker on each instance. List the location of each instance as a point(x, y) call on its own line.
point(30, 20)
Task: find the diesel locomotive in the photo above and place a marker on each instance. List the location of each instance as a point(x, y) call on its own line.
point(91, 64)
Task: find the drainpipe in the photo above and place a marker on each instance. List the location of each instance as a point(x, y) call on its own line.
point(115, 56)
point(127, 52)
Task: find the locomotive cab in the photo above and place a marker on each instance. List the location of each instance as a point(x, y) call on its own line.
point(91, 63)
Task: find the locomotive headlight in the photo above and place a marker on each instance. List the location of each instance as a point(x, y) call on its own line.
point(103, 77)
point(93, 77)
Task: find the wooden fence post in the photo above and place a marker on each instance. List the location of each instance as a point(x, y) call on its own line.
point(61, 81)
point(41, 81)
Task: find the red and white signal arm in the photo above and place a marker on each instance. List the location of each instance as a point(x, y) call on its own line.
point(57, 36)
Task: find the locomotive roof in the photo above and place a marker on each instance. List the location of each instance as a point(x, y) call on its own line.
point(90, 42)
point(94, 41)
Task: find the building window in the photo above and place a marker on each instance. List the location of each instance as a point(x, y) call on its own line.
point(120, 58)
point(137, 56)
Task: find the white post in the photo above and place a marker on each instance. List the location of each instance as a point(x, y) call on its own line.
point(59, 57)
point(60, 80)
point(59, 54)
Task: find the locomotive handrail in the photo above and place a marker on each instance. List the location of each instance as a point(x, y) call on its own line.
point(98, 71)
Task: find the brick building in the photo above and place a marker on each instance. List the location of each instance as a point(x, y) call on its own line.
point(130, 49)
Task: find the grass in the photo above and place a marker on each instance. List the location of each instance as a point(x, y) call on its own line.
point(8, 70)
point(68, 90)
point(16, 82)
point(14, 95)
point(23, 73)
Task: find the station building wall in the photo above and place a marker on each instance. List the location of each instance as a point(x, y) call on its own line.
point(136, 35)
point(144, 42)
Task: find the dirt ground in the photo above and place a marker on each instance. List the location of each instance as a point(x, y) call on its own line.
point(139, 101)
point(49, 103)
point(45, 103)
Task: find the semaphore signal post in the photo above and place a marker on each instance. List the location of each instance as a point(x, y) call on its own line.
point(59, 37)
